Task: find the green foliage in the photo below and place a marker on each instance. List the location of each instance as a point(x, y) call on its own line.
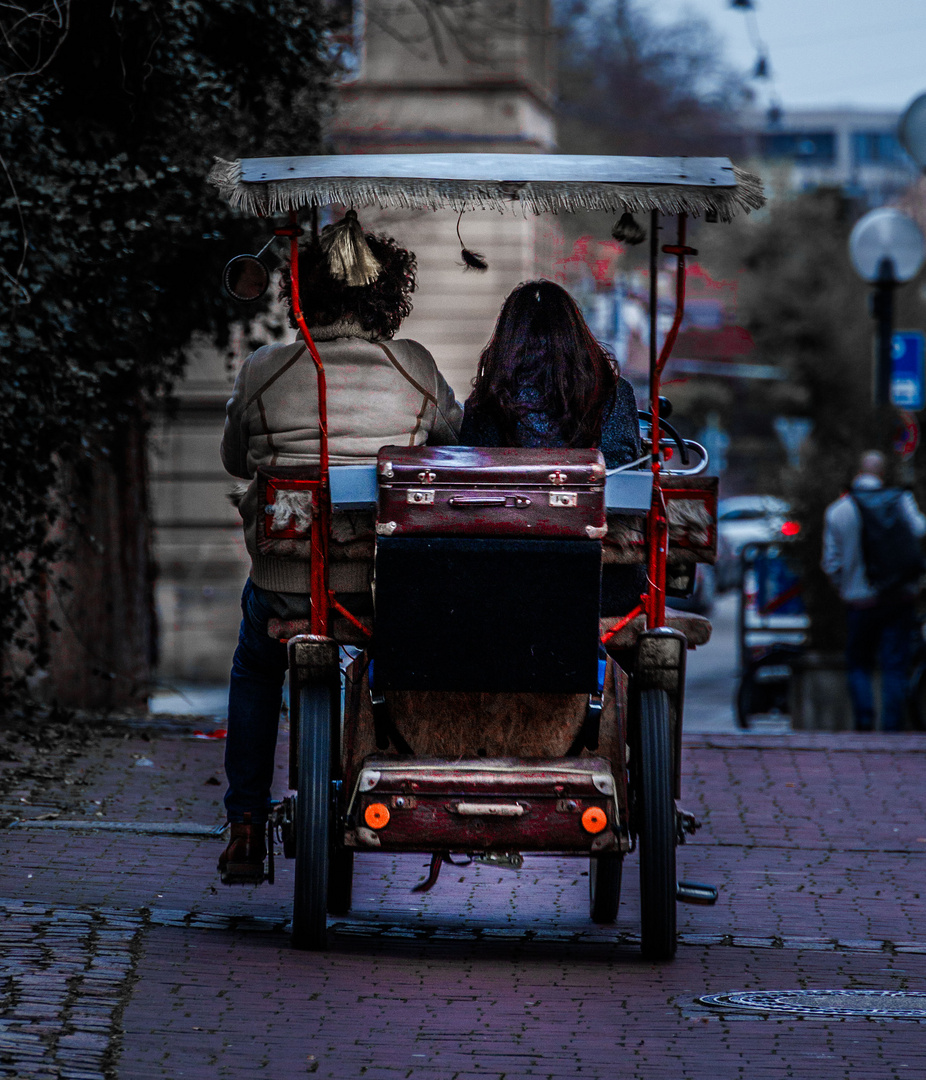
point(111, 242)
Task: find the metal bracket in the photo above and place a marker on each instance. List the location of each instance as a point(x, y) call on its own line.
point(504, 860)
point(686, 824)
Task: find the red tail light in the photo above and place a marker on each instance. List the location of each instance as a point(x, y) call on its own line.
point(790, 528)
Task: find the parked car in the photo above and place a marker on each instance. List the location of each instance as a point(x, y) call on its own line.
point(742, 520)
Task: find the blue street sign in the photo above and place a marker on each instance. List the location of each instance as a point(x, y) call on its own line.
point(908, 374)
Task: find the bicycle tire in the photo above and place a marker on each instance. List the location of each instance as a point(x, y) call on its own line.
point(744, 696)
point(313, 818)
point(604, 886)
point(657, 829)
point(340, 880)
point(749, 689)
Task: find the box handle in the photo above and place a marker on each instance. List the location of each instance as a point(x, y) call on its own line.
point(488, 500)
point(473, 809)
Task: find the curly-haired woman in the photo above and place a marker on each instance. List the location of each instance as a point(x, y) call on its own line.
point(355, 291)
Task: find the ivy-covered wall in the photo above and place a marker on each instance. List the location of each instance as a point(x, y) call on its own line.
point(111, 249)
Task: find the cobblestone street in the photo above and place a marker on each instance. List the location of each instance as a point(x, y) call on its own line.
point(122, 956)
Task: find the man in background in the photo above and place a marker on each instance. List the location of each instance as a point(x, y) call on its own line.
point(873, 557)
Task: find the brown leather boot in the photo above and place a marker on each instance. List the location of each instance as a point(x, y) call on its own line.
point(242, 862)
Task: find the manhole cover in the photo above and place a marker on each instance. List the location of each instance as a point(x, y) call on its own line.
point(901, 1004)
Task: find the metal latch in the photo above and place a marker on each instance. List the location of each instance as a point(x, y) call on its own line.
point(419, 497)
point(564, 498)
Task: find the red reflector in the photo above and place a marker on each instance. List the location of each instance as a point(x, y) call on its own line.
point(790, 528)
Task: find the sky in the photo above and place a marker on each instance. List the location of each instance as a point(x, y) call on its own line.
point(824, 53)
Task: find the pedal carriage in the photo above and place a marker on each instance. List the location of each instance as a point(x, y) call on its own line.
point(494, 706)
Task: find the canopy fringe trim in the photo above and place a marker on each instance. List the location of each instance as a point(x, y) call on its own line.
point(279, 197)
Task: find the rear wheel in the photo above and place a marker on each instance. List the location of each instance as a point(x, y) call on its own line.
point(604, 886)
point(340, 880)
point(313, 817)
point(765, 687)
point(656, 824)
point(916, 702)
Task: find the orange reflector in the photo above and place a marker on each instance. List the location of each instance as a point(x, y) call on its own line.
point(376, 815)
point(594, 819)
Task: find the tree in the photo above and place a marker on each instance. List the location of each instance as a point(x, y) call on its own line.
point(111, 248)
point(630, 85)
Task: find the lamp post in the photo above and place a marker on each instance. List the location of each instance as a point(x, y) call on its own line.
point(887, 249)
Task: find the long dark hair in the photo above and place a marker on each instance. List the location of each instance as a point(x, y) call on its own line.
point(379, 307)
point(542, 358)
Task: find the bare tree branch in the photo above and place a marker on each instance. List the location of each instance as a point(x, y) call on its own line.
point(23, 292)
point(33, 23)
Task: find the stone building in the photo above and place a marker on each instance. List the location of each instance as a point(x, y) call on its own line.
point(482, 83)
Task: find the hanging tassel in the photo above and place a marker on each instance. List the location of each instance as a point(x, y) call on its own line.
point(472, 260)
point(349, 255)
point(628, 231)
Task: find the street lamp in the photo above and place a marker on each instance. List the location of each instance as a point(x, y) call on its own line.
point(887, 249)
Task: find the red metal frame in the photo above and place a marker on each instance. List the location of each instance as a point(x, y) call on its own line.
point(653, 602)
point(657, 523)
point(321, 504)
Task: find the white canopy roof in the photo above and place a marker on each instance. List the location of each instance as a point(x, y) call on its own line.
point(534, 183)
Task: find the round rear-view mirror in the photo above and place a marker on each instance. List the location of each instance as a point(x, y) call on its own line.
point(246, 278)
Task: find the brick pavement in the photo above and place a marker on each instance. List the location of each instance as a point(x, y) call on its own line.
point(121, 957)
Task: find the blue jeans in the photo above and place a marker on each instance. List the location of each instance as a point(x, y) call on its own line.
point(254, 698)
point(879, 635)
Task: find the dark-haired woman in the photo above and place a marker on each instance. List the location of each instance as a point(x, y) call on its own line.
point(544, 380)
point(355, 289)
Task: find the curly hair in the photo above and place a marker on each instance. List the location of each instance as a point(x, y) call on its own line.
point(379, 308)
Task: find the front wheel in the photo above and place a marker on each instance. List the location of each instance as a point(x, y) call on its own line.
point(656, 824)
point(313, 817)
point(340, 881)
point(604, 886)
point(765, 686)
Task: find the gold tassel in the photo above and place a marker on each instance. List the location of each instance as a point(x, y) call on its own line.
point(349, 255)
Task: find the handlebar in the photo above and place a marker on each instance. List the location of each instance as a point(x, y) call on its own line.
point(698, 467)
point(641, 462)
point(665, 426)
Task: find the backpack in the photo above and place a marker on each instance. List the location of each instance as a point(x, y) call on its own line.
point(890, 548)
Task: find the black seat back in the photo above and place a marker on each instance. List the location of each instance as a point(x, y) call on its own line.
point(502, 615)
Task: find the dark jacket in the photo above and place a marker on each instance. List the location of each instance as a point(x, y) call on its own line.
point(620, 428)
point(621, 586)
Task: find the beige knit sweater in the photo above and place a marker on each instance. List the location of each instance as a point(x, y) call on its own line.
point(374, 400)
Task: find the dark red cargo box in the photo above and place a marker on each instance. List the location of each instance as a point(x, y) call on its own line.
point(485, 804)
point(493, 492)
